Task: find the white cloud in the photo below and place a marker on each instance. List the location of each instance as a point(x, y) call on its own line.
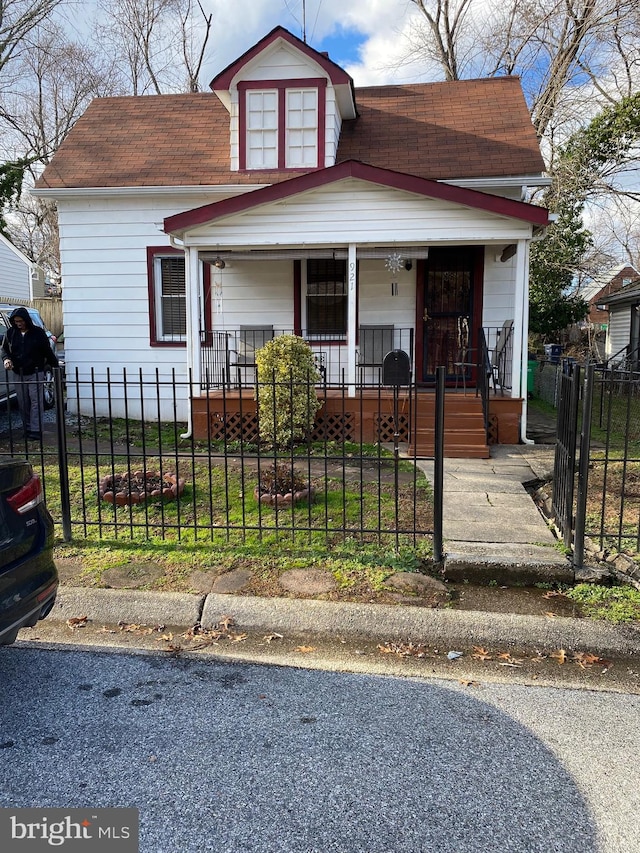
point(239, 25)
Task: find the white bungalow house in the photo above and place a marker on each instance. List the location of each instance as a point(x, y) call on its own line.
point(194, 227)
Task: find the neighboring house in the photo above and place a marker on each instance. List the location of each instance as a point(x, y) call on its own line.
point(20, 278)
point(597, 291)
point(623, 333)
point(289, 200)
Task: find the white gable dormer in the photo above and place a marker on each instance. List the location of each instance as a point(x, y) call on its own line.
point(286, 105)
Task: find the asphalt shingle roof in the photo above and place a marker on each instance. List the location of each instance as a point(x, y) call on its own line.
point(464, 129)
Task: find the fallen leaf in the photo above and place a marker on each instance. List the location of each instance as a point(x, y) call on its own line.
point(237, 638)
point(554, 594)
point(466, 683)
point(416, 650)
point(305, 649)
point(560, 656)
point(270, 637)
point(516, 665)
point(166, 637)
point(225, 623)
point(132, 628)
point(549, 614)
point(481, 654)
point(586, 659)
point(77, 622)
point(510, 660)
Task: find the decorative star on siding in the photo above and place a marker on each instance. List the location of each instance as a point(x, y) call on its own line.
point(394, 262)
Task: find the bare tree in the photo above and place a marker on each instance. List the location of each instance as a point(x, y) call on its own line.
point(447, 25)
point(160, 43)
point(550, 44)
point(56, 79)
point(52, 83)
point(17, 19)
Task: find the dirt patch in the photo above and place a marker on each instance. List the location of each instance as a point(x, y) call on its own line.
point(525, 601)
point(132, 575)
point(307, 582)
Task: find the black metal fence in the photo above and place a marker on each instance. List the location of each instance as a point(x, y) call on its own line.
point(134, 457)
point(597, 466)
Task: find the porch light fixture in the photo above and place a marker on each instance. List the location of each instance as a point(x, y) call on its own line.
point(219, 263)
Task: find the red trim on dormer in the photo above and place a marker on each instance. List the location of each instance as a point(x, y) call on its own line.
point(224, 80)
point(354, 169)
point(281, 86)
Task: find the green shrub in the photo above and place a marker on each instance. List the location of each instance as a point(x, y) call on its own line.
point(285, 390)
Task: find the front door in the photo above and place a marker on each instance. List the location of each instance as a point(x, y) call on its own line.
point(448, 304)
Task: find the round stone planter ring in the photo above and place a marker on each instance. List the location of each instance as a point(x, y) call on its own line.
point(138, 486)
point(272, 499)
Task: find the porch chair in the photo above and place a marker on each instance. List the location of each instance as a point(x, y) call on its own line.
point(500, 356)
point(249, 339)
point(374, 342)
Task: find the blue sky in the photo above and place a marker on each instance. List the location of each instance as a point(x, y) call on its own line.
point(342, 47)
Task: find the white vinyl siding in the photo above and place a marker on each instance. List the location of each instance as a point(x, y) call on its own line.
point(355, 211)
point(302, 128)
point(619, 331)
point(262, 129)
point(15, 274)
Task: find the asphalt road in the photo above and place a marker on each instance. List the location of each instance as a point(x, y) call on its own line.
point(234, 756)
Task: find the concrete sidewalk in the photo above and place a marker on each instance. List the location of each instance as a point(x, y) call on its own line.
point(492, 528)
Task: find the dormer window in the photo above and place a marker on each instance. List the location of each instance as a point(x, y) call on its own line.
point(262, 130)
point(282, 124)
point(302, 129)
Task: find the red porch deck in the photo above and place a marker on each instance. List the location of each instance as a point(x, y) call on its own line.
point(369, 417)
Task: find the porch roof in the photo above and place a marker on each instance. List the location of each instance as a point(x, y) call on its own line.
point(180, 223)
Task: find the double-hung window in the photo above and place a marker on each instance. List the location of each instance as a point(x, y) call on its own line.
point(262, 129)
point(168, 297)
point(170, 302)
point(282, 124)
point(326, 301)
point(302, 128)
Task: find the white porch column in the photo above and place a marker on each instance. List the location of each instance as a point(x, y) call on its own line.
point(192, 292)
point(521, 328)
point(351, 320)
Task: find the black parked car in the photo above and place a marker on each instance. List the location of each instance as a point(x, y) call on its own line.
point(28, 576)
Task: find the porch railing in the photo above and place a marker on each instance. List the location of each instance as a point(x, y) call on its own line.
point(228, 356)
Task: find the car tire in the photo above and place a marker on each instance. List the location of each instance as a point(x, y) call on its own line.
point(9, 638)
point(49, 389)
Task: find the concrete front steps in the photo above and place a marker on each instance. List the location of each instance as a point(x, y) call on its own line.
point(465, 436)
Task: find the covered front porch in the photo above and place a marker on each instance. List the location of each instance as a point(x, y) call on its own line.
point(379, 265)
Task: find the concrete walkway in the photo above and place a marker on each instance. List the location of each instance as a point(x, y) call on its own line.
point(492, 528)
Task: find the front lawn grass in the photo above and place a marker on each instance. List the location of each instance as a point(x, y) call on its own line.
point(218, 525)
point(616, 604)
